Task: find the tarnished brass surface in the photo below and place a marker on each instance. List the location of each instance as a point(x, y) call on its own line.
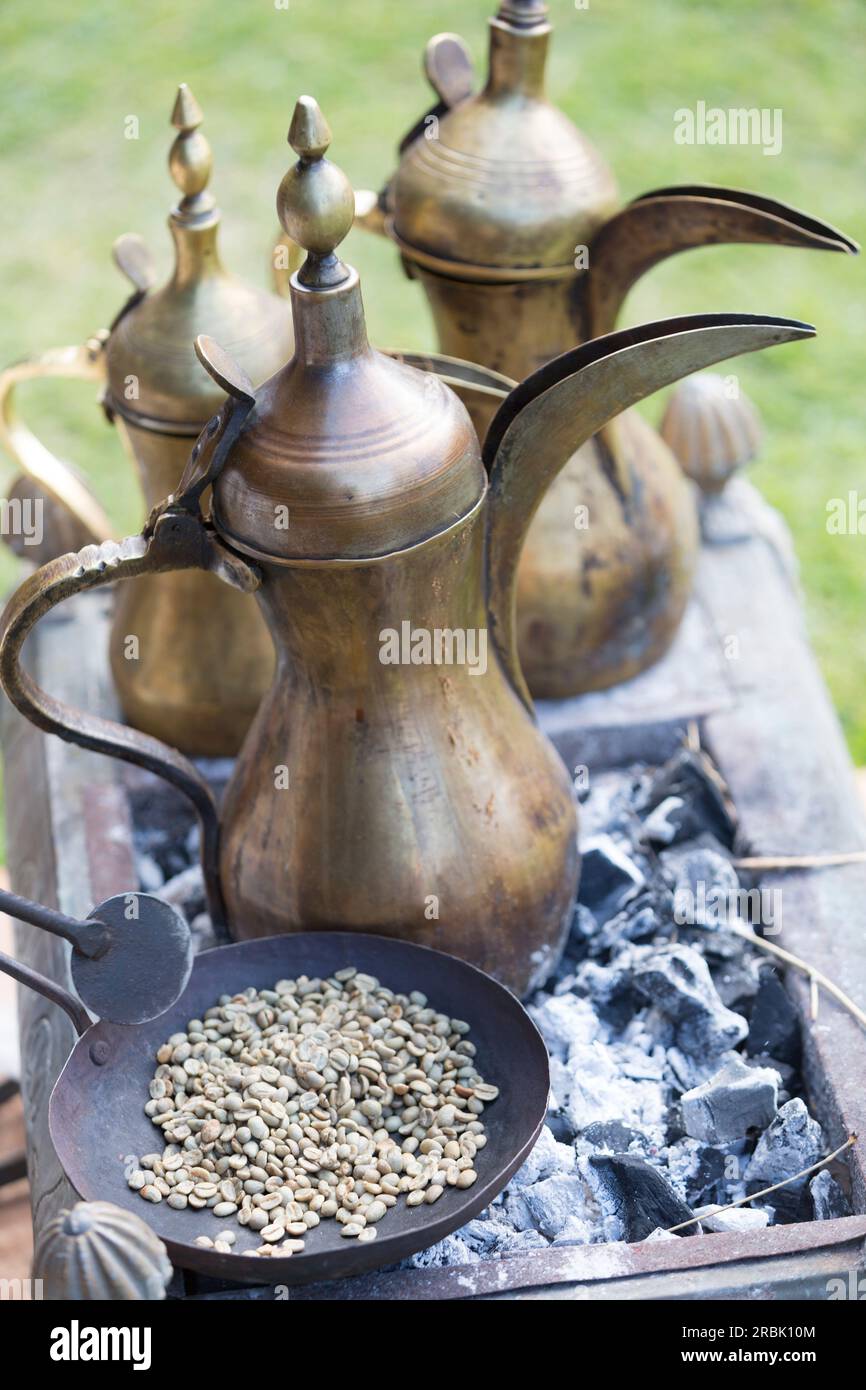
point(416, 798)
point(56, 482)
point(191, 660)
point(508, 218)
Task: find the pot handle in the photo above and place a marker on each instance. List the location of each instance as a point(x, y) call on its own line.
point(57, 479)
point(176, 537)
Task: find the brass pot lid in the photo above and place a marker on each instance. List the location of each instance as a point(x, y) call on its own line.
point(154, 377)
point(347, 454)
point(501, 185)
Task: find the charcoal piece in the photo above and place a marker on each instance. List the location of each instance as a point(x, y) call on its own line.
point(642, 920)
point(664, 824)
point(691, 777)
point(737, 978)
point(736, 1099)
point(560, 1126)
point(608, 877)
point(704, 883)
point(774, 1027)
point(677, 981)
point(555, 1202)
point(788, 1075)
point(708, 1183)
point(544, 1159)
point(612, 1135)
point(739, 1219)
point(564, 1021)
point(793, 1141)
point(642, 1198)
point(828, 1197)
point(520, 1242)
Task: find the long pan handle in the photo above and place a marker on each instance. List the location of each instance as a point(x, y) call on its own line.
point(49, 989)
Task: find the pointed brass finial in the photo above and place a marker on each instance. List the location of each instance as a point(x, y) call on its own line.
point(315, 202)
point(190, 159)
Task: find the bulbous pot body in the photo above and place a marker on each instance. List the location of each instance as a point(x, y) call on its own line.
point(414, 800)
point(608, 563)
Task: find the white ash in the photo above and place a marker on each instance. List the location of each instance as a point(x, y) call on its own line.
point(641, 1009)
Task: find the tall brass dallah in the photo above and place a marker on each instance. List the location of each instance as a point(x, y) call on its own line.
point(509, 219)
point(394, 779)
point(191, 659)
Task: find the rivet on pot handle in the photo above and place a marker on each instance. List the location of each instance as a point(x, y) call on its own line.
point(84, 362)
point(176, 537)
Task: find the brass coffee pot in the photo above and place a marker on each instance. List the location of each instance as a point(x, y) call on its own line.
point(394, 779)
point(191, 658)
point(511, 221)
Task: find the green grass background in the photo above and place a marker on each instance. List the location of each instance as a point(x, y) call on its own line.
point(74, 71)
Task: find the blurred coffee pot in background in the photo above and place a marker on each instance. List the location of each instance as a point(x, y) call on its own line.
point(511, 222)
point(394, 779)
point(191, 658)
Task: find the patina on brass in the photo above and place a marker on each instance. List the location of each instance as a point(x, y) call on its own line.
point(190, 658)
point(509, 219)
point(416, 798)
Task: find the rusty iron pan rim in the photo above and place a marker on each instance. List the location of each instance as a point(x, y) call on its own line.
point(97, 1119)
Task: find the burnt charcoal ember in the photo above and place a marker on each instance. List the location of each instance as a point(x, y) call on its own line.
point(704, 883)
point(583, 932)
point(453, 1250)
point(546, 1158)
point(186, 891)
point(662, 825)
point(600, 1088)
point(203, 934)
point(788, 1075)
point(610, 804)
point(775, 1024)
point(486, 1234)
point(828, 1198)
point(641, 1197)
point(736, 977)
point(560, 1126)
point(564, 1021)
point(613, 1136)
point(647, 918)
point(677, 981)
point(558, 1206)
point(520, 1242)
point(150, 875)
point(611, 989)
point(609, 876)
point(690, 778)
point(792, 1142)
point(736, 1099)
point(739, 1219)
point(709, 1182)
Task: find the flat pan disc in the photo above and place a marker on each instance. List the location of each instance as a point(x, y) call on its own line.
point(147, 965)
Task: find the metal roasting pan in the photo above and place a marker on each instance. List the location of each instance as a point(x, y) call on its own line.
point(97, 1119)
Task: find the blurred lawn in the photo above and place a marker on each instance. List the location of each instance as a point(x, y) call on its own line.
point(73, 72)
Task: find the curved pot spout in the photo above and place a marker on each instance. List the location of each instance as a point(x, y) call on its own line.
point(545, 419)
point(665, 221)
